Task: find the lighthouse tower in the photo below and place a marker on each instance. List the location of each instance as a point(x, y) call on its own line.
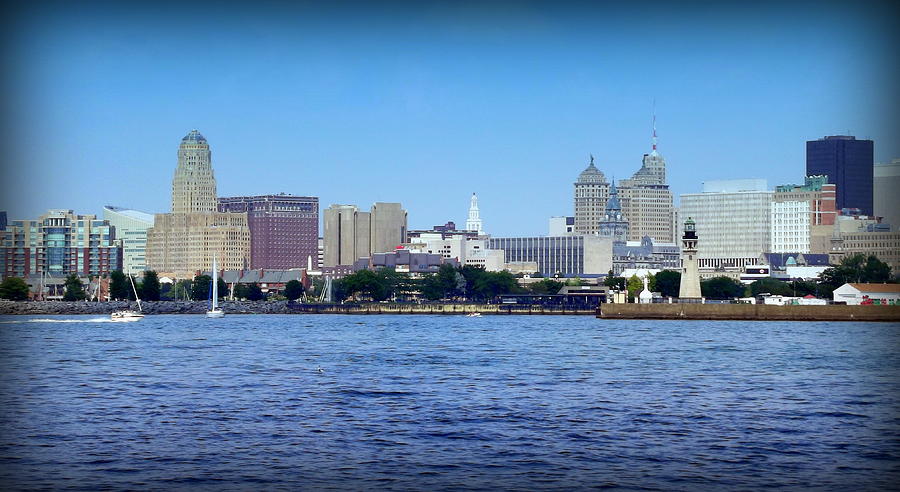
point(690, 275)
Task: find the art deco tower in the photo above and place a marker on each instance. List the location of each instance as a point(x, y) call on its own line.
point(183, 242)
point(194, 185)
point(591, 193)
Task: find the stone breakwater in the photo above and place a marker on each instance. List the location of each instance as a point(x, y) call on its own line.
point(159, 307)
point(749, 312)
point(278, 307)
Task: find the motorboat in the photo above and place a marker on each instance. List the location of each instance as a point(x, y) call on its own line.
point(473, 315)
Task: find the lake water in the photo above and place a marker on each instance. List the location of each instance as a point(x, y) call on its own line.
point(431, 402)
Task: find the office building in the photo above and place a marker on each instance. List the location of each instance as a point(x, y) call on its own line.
point(646, 200)
point(848, 163)
point(567, 256)
point(734, 219)
point(131, 228)
point(351, 234)
point(183, 242)
point(284, 229)
point(886, 192)
point(59, 243)
point(591, 193)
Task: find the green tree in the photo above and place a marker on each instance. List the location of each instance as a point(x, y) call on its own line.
point(119, 287)
point(722, 288)
point(432, 288)
point(222, 287)
point(74, 289)
point(772, 286)
point(492, 284)
point(14, 289)
point(150, 288)
point(635, 286)
point(240, 291)
point(255, 293)
point(857, 268)
point(546, 286)
point(182, 290)
point(293, 290)
point(200, 287)
point(575, 281)
point(668, 283)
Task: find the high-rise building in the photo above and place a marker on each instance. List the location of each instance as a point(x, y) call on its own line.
point(131, 227)
point(473, 223)
point(351, 234)
point(284, 229)
point(646, 200)
point(591, 193)
point(183, 242)
point(59, 243)
point(733, 218)
point(2, 220)
point(848, 163)
point(561, 226)
point(613, 225)
point(886, 193)
point(690, 273)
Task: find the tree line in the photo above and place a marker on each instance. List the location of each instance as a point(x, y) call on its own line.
point(468, 283)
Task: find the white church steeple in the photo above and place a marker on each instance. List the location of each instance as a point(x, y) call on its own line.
point(473, 223)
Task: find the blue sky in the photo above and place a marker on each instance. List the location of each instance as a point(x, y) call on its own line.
point(424, 103)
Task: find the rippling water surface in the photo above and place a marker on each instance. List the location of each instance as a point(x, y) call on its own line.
point(430, 402)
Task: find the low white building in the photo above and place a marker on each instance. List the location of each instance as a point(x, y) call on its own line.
point(855, 294)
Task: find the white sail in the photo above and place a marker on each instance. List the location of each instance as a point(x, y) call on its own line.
point(215, 285)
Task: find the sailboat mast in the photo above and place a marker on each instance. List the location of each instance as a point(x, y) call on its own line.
point(135, 292)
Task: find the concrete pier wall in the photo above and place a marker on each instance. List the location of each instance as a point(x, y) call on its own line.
point(760, 312)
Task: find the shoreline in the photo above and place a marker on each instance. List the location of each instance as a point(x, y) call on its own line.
point(749, 312)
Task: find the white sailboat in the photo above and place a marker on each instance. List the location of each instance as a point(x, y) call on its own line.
point(214, 311)
point(129, 314)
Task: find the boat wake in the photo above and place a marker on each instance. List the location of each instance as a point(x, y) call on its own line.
point(49, 320)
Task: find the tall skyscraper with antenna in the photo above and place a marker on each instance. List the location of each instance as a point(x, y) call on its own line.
point(646, 199)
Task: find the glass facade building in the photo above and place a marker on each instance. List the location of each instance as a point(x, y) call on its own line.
point(848, 163)
point(59, 243)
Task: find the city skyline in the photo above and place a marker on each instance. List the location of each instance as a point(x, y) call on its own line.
point(509, 101)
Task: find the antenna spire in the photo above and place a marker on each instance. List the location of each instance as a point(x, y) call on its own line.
point(654, 140)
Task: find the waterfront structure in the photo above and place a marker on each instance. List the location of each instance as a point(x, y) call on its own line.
point(284, 229)
point(855, 294)
point(646, 200)
point(613, 225)
point(848, 163)
point(59, 243)
point(734, 219)
point(268, 280)
point(591, 193)
point(404, 261)
point(886, 192)
point(473, 223)
point(561, 226)
point(567, 256)
point(351, 234)
point(690, 272)
point(184, 241)
point(131, 228)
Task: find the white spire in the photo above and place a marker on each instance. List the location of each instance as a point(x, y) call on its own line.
point(474, 221)
point(654, 140)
